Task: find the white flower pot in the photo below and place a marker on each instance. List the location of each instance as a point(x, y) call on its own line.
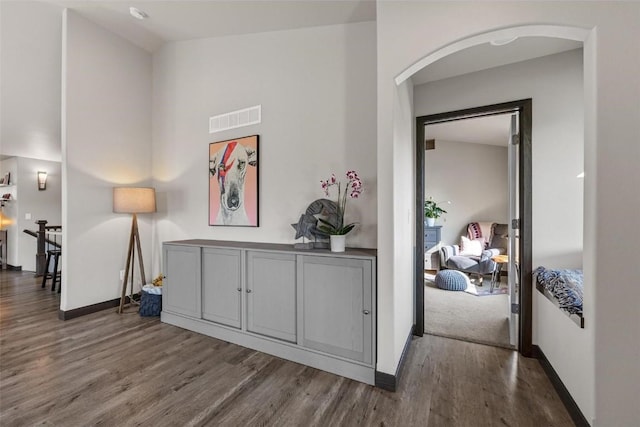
point(337, 243)
point(431, 222)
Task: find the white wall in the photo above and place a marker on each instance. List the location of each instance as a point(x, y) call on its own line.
point(473, 177)
point(403, 241)
point(30, 52)
point(317, 91)
point(106, 142)
point(409, 31)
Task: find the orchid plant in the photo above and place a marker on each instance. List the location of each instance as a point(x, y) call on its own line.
point(353, 189)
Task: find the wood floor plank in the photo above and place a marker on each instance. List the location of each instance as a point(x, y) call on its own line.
point(124, 370)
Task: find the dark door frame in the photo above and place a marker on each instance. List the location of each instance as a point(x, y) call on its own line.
point(523, 106)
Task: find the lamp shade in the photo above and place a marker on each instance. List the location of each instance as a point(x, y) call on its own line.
point(134, 200)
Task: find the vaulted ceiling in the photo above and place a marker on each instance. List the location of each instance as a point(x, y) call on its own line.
point(186, 19)
point(179, 20)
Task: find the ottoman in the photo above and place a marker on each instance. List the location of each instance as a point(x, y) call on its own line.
point(452, 280)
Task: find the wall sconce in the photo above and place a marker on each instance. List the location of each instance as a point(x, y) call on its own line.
point(42, 181)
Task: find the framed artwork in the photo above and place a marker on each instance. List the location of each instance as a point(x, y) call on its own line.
point(233, 182)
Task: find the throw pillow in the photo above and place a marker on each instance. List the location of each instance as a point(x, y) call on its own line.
point(474, 231)
point(480, 230)
point(470, 247)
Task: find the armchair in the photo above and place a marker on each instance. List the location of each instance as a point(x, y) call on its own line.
point(480, 265)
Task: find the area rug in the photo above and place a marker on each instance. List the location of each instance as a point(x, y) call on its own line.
point(462, 316)
point(485, 289)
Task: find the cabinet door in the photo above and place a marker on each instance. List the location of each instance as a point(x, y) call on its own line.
point(336, 306)
point(222, 286)
point(181, 287)
point(431, 237)
point(271, 295)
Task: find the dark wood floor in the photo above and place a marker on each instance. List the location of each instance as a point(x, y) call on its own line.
point(121, 370)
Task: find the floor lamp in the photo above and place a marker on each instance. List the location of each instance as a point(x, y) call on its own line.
point(133, 200)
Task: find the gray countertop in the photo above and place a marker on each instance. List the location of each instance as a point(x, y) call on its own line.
point(281, 247)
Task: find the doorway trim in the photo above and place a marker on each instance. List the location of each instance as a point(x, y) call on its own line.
point(525, 298)
point(534, 30)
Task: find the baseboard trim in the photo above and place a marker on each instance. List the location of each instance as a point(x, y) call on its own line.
point(572, 407)
point(93, 308)
point(13, 267)
point(390, 382)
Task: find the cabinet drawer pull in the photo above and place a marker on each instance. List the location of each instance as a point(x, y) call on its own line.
point(248, 291)
point(239, 289)
point(366, 311)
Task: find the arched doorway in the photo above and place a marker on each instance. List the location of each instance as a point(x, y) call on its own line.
point(570, 33)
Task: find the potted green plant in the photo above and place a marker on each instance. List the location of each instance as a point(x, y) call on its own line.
point(432, 211)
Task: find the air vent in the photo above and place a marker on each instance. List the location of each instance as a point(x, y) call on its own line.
point(235, 119)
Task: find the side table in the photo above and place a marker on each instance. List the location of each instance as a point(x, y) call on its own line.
point(500, 260)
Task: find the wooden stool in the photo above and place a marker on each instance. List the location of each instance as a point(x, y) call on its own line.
point(56, 253)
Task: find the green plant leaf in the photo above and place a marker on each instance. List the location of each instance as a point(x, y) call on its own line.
point(347, 228)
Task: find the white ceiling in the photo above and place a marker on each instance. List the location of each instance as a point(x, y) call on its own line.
point(178, 20)
point(186, 19)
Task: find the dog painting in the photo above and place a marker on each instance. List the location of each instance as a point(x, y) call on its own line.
point(233, 182)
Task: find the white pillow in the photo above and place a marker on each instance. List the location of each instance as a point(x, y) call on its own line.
point(470, 247)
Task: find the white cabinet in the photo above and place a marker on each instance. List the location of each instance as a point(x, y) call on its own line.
point(336, 306)
point(182, 283)
point(312, 307)
point(270, 289)
point(271, 294)
point(222, 286)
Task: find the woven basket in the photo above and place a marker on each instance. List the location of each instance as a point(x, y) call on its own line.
point(150, 304)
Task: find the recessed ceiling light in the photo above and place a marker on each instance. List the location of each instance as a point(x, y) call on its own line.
point(502, 42)
point(137, 13)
